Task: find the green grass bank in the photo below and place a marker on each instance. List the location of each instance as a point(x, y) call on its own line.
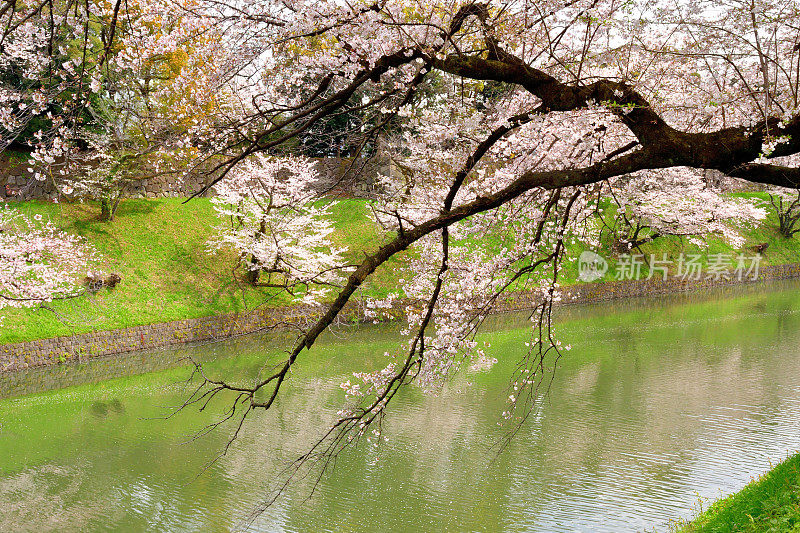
point(158, 246)
point(769, 504)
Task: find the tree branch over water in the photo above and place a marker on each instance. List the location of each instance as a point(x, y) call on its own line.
point(504, 123)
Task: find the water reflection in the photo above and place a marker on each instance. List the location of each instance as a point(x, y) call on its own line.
point(657, 403)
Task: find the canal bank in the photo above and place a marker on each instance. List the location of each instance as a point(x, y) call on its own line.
point(59, 350)
point(769, 503)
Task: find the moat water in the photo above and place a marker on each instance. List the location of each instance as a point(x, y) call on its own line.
point(661, 403)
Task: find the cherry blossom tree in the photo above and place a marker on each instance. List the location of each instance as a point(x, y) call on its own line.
point(677, 202)
point(516, 116)
point(270, 219)
point(40, 263)
point(786, 204)
point(115, 100)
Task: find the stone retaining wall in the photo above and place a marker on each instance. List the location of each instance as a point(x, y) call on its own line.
point(596, 292)
point(101, 343)
point(104, 343)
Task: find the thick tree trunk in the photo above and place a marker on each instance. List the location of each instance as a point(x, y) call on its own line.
point(253, 275)
point(106, 210)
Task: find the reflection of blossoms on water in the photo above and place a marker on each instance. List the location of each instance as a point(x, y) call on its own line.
point(482, 363)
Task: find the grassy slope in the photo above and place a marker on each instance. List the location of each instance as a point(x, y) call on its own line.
point(768, 504)
point(158, 247)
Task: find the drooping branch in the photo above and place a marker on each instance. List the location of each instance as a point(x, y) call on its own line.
point(649, 157)
point(355, 68)
point(546, 180)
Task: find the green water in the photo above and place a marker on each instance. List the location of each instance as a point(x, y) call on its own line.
point(659, 402)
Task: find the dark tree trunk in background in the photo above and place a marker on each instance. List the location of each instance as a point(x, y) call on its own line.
point(106, 210)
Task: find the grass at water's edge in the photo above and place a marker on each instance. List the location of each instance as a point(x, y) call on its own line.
point(159, 247)
point(770, 503)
